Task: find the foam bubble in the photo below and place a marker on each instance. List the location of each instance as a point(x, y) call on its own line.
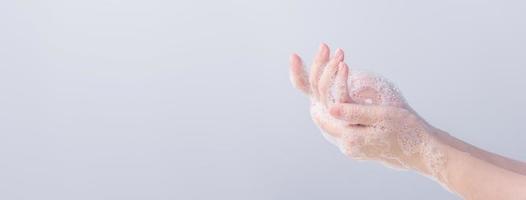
point(369, 88)
point(395, 145)
point(434, 159)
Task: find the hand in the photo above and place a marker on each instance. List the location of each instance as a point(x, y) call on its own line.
point(365, 115)
point(368, 119)
point(366, 87)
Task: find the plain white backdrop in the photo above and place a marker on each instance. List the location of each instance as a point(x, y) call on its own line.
point(192, 100)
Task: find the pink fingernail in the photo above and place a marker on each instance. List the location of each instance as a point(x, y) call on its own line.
point(294, 58)
point(322, 47)
point(339, 54)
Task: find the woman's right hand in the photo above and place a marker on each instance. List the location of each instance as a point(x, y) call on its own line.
point(367, 118)
point(365, 115)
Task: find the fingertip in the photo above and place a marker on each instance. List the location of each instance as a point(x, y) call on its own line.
point(295, 69)
point(339, 51)
point(294, 55)
point(346, 69)
point(324, 50)
point(339, 54)
point(323, 45)
point(294, 58)
point(296, 64)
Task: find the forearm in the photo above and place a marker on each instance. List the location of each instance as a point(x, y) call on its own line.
point(498, 160)
point(476, 174)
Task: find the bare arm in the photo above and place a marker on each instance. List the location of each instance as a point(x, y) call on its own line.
point(477, 174)
point(495, 159)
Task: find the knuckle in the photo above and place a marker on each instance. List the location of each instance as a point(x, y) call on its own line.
point(349, 113)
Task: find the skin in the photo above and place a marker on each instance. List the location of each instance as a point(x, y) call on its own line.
point(469, 171)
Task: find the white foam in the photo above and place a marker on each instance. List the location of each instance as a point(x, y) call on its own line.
point(395, 145)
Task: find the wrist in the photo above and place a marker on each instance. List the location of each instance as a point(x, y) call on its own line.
point(435, 155)
point(455, 162)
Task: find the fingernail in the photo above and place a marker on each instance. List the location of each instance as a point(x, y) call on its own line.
point(294, 58)
point(339, 54)
point(322, 47)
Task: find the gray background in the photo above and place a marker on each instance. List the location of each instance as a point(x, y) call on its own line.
point(192, 100)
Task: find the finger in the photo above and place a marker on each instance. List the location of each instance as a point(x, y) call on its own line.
point(322, 57)
point(298, 76)
point(359, 114)
point(337, 130)
point(332, 129)
point(351, 143)
point(327, 77)
point(342, 88)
